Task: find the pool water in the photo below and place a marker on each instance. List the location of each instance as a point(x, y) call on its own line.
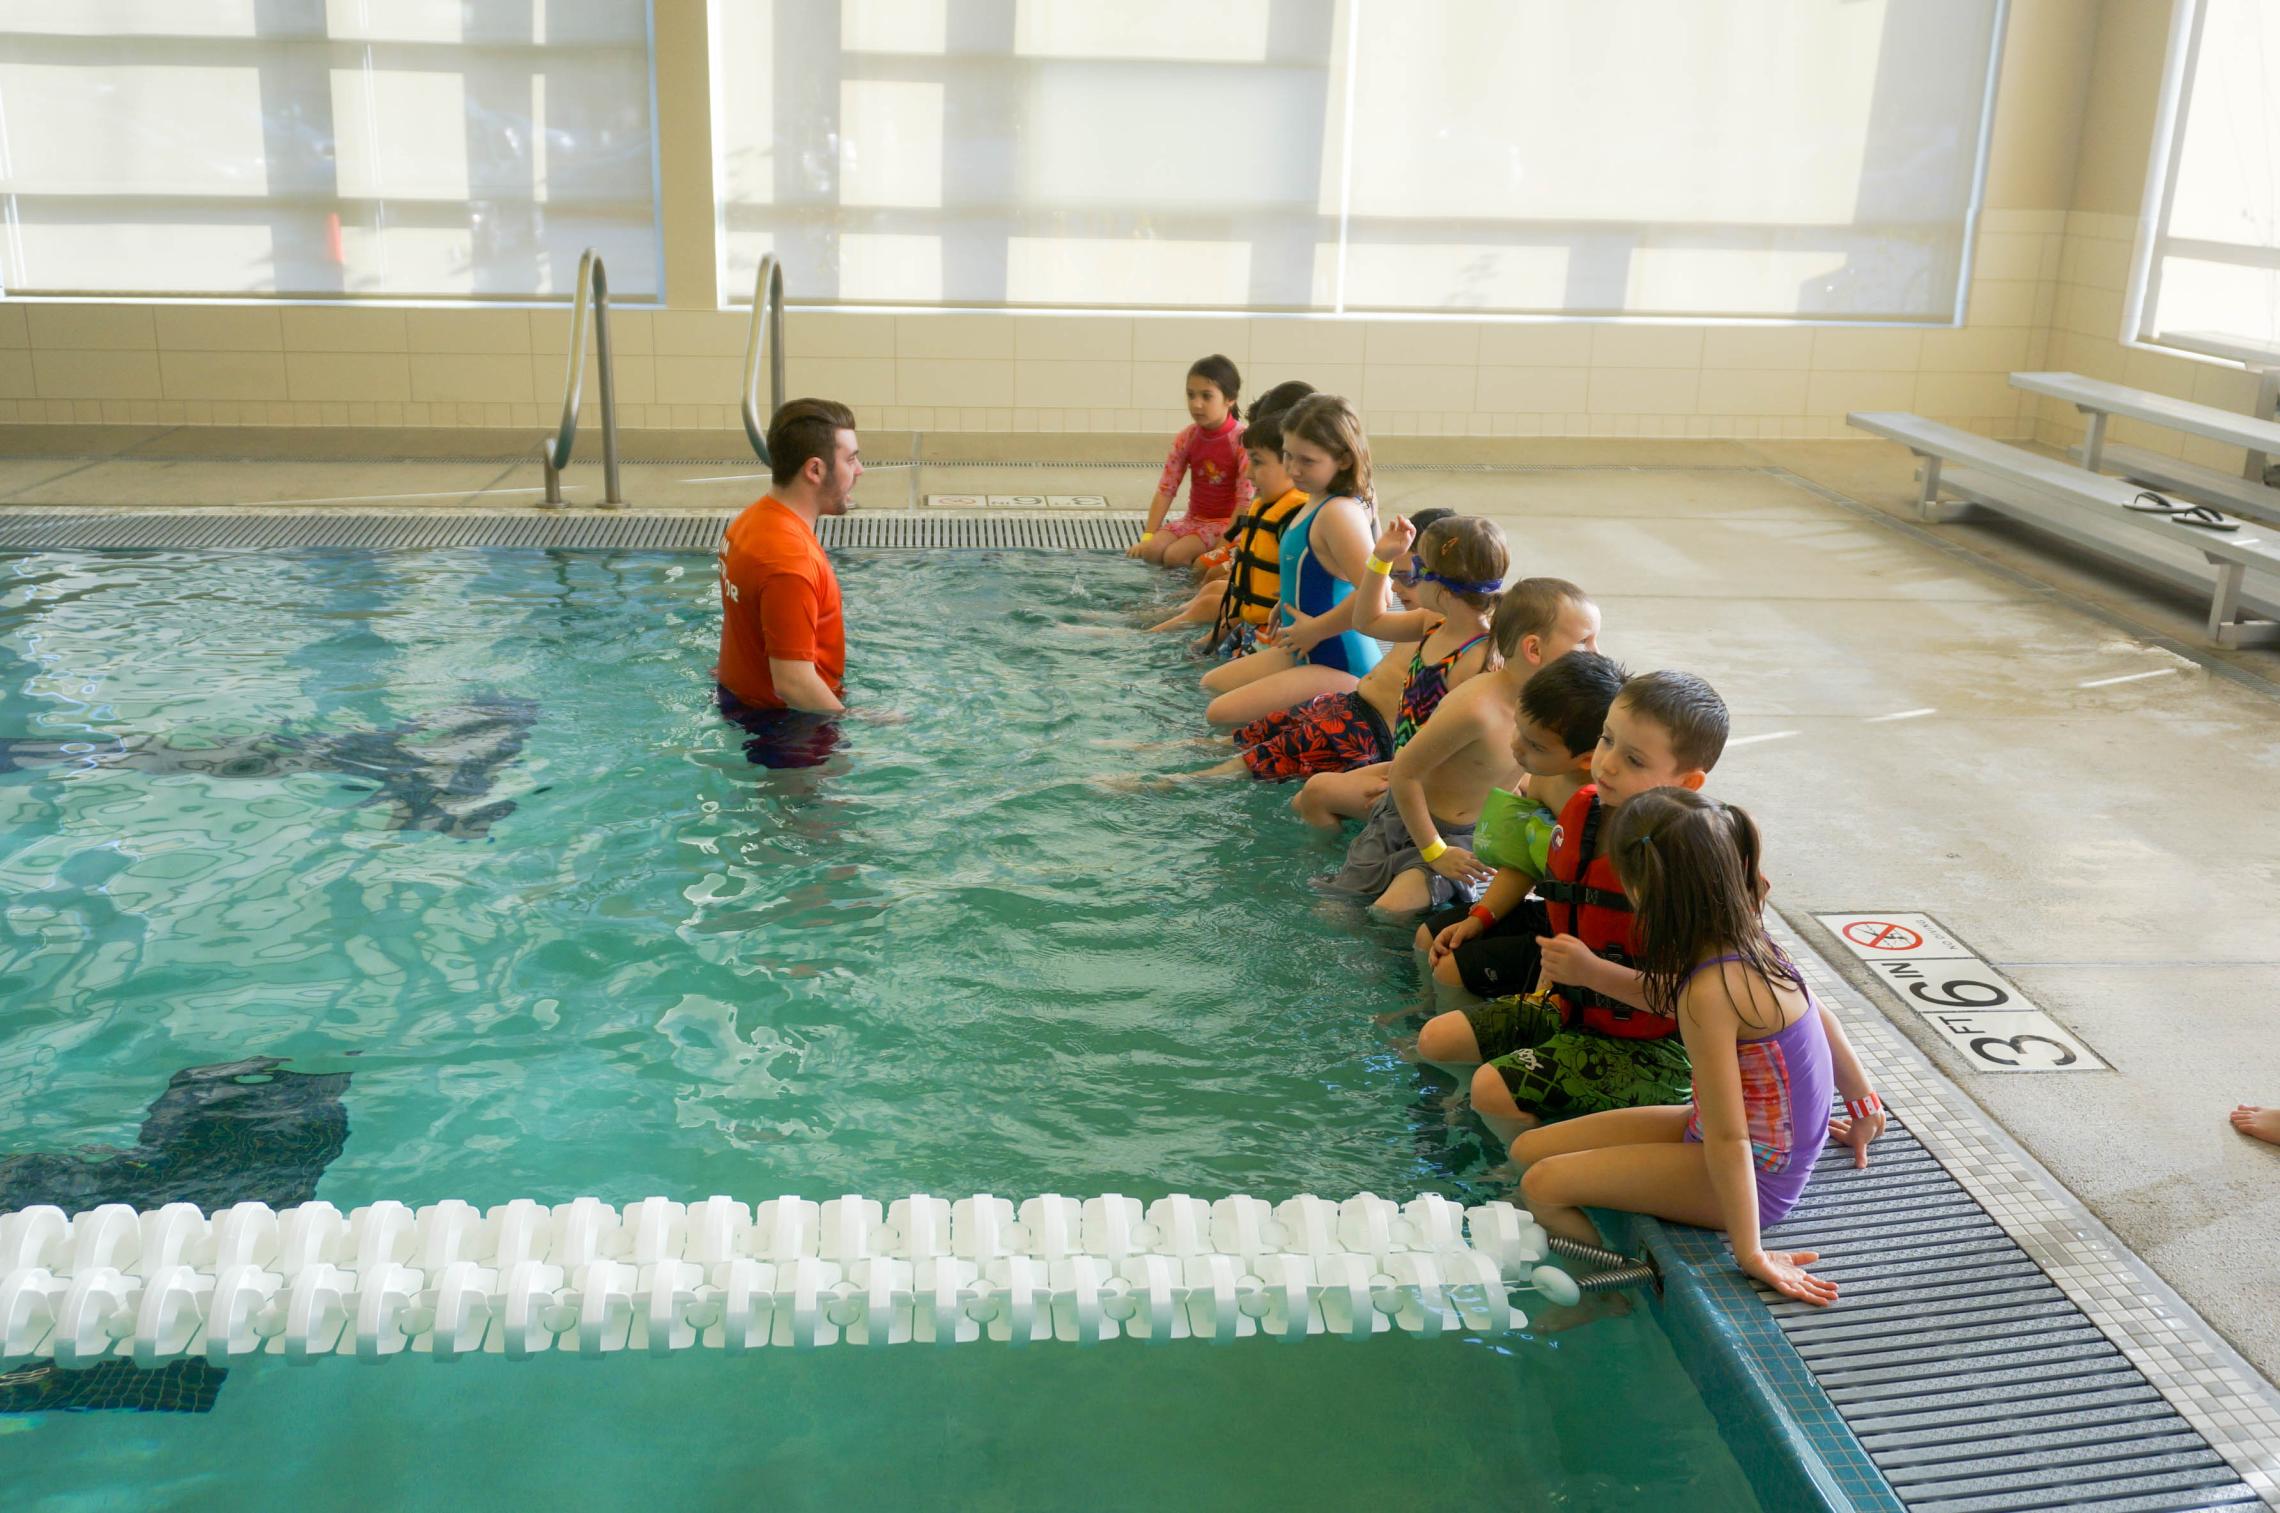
point(467, 828)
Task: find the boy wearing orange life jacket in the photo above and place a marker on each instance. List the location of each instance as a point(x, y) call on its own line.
point(1592, 1044)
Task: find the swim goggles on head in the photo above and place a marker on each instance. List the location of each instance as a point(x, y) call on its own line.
point(1418, 574)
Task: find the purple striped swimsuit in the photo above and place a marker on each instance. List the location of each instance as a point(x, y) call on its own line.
point(1787, 1085)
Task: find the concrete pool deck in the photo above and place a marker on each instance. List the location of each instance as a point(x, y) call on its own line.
point(2105, 845)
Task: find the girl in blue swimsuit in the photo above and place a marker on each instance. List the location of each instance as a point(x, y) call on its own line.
point(1315, 649)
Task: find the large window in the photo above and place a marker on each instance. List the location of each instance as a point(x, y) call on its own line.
point(1743, 158)
point(452, 148)
point(2212, 282)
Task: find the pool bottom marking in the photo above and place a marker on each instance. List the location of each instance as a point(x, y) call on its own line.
point(243, 1131)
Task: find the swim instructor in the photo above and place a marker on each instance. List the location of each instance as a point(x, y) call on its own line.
point(783, 640)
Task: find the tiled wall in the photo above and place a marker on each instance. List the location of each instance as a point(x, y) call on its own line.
point(308, 365)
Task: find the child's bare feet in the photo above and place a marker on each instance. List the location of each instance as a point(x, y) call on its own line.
point(2261, 1123)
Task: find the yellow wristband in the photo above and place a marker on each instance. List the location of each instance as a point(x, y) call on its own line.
point(1433, 853)
point(1147, 535)
point(1374, 565)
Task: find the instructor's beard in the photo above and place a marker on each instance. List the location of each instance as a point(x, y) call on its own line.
point(831, 499)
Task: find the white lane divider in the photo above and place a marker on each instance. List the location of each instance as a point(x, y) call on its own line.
point(522, 1279)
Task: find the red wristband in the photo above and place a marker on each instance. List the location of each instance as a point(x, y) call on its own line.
point(1484, 914)
point(1861, 1108)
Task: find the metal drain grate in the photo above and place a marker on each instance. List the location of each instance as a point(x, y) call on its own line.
point(433, 530)
point(935, 532)
point(1972, 1381)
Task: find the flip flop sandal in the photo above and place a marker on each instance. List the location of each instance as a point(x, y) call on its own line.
point(2157, 505)
point(2206, 518)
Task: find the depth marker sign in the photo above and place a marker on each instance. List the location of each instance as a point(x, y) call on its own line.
point(1981, 1013)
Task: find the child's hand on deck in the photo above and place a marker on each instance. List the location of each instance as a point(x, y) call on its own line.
point(1461, 866)
point(1857, 1133)
point(1456, 935)
point(1784, 1271)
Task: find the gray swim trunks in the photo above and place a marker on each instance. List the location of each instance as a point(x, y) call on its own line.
point(1383, 851)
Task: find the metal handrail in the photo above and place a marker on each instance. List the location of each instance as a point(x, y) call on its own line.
point(592, 301)
point(768, 318)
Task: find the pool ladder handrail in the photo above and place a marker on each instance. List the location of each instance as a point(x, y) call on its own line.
point(766, 335)
point(591, 302)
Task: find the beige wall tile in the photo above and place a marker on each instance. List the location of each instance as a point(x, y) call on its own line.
point(220, 328)
point(1643, 391)
point(1163, 383)
point(92, 328)
point(954, 337)
point(2001, 302)
point(490, 332)
point(1070, 384)
point(223, 375)
point(698, 333)
point(1072, 338)
point(2007, 255)
point(1443, 343)
point(1418, 386)
point(1532, 391)
point(928, 382)
point(2226, 388)
point(329, 328)
point(1857, 349)
point(13, 330)
point(2160, 372)
point(374, 376)
point(503, 378)
point(1647, 347)
point(1535, 344)
point(2096, 312)
point(1973, 349)
point(686, 380)
point(836, 333)
point(1753, 391)
point(1298, 342)
point(1184, 338)
point(636, 385)
point(16, 379)
point(1761, 347)
point(865, 381)
point(1834, 393)
point(82, 376)
point(1973, 394)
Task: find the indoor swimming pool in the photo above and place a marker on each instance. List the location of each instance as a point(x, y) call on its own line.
point(461, 837)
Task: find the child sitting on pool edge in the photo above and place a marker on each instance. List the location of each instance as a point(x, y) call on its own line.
point(1209, 453)
point(1766, 1056)
point(1238, 606)
point(1414, 851)
point(1589, 1041)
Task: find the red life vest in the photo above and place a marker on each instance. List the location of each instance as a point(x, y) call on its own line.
point(1585, 899)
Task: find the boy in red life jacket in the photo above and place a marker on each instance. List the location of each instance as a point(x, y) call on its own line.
point(1593, 1045)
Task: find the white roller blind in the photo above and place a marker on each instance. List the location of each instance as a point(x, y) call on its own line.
point(456, 148)
point(1628, 157)
point(2214, 279)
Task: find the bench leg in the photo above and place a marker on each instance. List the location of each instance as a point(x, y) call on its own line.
point(1928, 500)
point(2093, 439)
point(2226, 628)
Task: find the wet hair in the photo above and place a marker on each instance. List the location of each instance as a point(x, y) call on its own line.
point(805, 428)
point(1690, 867)
point(1328, 422)
point(1688, 709)
point(1531, 607)
point(1469, 549)
point(1262, 428)
point(1569, 696)
point(1221, 374)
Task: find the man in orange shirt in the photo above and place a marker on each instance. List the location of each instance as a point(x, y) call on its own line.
point(783, 640)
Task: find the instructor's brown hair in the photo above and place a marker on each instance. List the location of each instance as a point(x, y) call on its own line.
point(802, 429)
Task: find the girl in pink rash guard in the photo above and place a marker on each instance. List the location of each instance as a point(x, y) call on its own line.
point(1210, 454)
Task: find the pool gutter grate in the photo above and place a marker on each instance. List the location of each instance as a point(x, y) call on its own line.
point(217, 529)
point(1972, 1382)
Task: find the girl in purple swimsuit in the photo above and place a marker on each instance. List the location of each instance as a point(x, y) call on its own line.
point(1767, 1056)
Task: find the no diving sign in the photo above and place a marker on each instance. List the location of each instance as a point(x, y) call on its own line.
point(1979, 1012)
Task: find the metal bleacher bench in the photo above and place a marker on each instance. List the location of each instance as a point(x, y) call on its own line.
point(2232, 492)
point(2239, 569)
